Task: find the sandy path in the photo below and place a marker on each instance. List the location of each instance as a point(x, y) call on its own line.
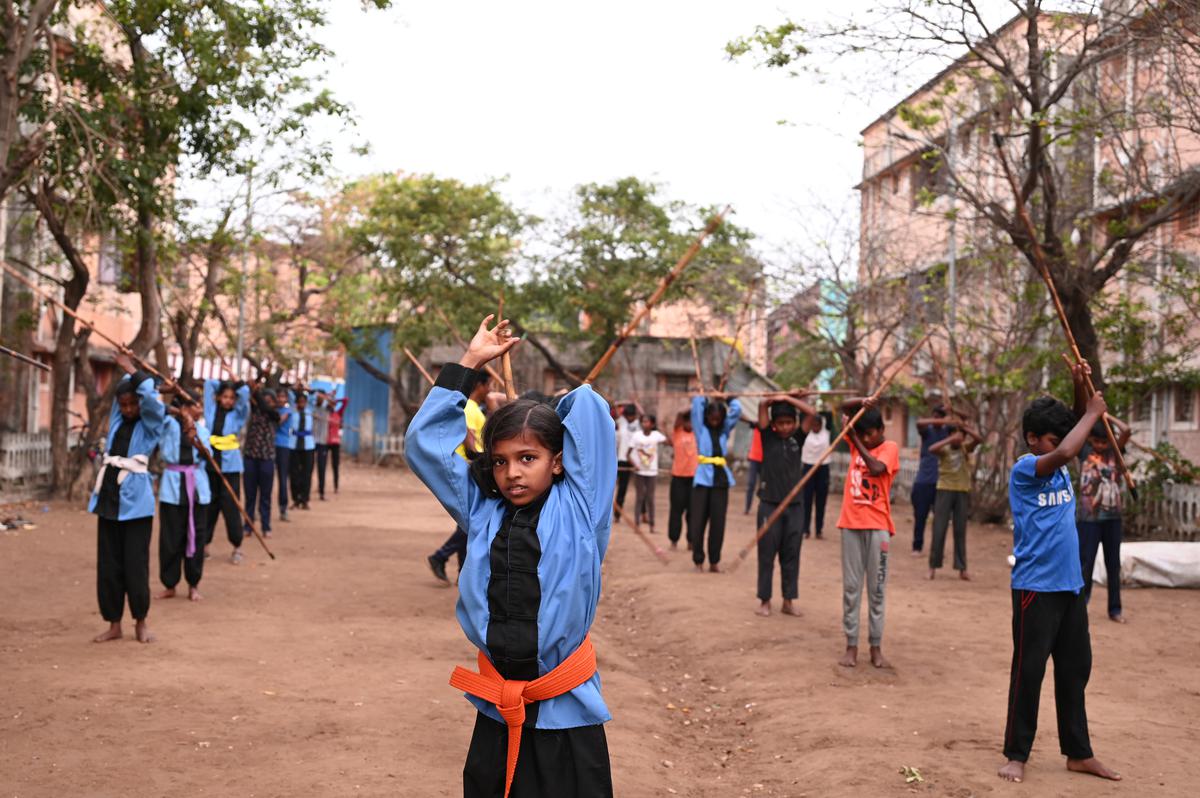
point(324, 673)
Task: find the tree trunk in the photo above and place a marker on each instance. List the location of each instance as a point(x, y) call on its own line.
point(146, 257)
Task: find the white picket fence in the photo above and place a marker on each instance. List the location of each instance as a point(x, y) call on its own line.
point(1175, 516)
point(389, 446)
point(24, 457)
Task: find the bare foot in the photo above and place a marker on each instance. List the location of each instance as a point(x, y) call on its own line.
point(1093, 766)
point(1118, 618)
point(850, 658)
point(963, 575)
point(877, 658)
point(166, 594)
point(143, 634)
point(764, 609)
point(699, 567)
point(113, 633)
point(789, 608)
point(714, 568)
point(1013, 771)
point(917, 553)
point(194, 594)
point(932, 573)
point(674, 545)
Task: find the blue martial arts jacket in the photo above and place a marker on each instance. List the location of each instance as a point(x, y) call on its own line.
point(137, 490)
point(573, 530)
point(283, 433)
point(172, 481)
point(235, 419)
point(304, 442)
point(704, 471)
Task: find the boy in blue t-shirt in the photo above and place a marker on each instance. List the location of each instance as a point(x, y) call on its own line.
point(1049, 608)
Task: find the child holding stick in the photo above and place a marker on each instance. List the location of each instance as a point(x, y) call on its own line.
point(816, 491)
point(924, 489)
point(537, 509)
point(1099, 518)
point(1049, 608)
point(183, 500)
point(683, 470)
point(713, 421)
point(643, 453)
point(226, 409)
point(123, 501)
point(866, 524)
point(782, 440)
point(955, 472)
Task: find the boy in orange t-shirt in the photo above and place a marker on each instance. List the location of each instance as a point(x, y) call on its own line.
point(866, 524)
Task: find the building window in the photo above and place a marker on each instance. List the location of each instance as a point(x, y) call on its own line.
point(1141, 409)
point(1189, 219)
point(1184, 401)
point(676, 383)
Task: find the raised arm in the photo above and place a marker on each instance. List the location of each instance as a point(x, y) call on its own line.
point(1080, 372)
point(875, 466)
point(1122, 431)
point(151, 408)
point(946, 442)
point(1068, 449)
point(210, 399)
point(435, 432)
point(590, 457)
point(735, 412)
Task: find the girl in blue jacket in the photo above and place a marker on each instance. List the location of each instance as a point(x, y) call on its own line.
point(183, 501)
point(226, 409)
point(713, 421)
point(537, 509)
point(123, 500)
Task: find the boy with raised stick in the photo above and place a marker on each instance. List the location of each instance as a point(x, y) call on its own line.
point(1049, 608)
point(782, 438)
point(123, 501)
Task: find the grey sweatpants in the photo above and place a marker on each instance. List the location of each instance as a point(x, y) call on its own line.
point(864, 553)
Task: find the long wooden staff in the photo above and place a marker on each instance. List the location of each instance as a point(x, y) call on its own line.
point(510, 388)
point(737, 335)
point(26, 359)
point(663, 285)
point(1043, 268)
point(413, 359)
point(812, 470)
point(149, 370)
point(654, 547)
point(800, 392)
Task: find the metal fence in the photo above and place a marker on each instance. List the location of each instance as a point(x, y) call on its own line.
point(25, 457)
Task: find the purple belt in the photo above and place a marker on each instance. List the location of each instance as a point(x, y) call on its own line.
point(189, 479)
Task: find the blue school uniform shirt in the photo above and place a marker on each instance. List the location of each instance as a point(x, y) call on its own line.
point(573, 530)
point(235, 419)
point(137, 490)
point(283, 433)
point(172, 481)
point(295, 440)
point(705, 471)
point(1045, 541)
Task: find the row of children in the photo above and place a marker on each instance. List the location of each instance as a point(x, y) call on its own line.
point(279, 430)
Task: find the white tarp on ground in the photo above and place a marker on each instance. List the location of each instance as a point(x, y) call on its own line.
point(1155, 564)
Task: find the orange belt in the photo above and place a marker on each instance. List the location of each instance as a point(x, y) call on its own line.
point(511, 695)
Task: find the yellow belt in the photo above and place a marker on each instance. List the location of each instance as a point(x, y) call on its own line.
point(224, 443)
point(715, 461)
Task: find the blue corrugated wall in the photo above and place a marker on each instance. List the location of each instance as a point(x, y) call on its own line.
point(364, 391)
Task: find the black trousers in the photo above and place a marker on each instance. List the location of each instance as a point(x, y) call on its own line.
point(1049, 625)
point(681, 497)
point(815, 493)
point(752, 482)
point(783, 541)
point(283, 469)
point(1091, 535)
point(260, 479)
point(123, 567)
point(172, 542)
point(455, 545)
point(707, 509)
point(553, 763)
point(222, 505)
point(922, 495)
point(322, 462)
point(302, 468)
point(624, 473)
point(335, 459)
point(950, 504)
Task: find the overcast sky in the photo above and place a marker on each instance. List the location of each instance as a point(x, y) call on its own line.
point(553, 94)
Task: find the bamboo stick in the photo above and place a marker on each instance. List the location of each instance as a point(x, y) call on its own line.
point(663, 285)
point(26, 359)
point(737, 335)
point(696, 362)
point(795, 491)
point(1039, 257)
point(510, 388)
point(662, 555)
point(413, 359)
point(173, 386)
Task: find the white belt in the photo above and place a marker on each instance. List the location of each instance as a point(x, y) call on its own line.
point(138, 464)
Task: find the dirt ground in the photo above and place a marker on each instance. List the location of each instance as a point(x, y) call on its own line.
point(324, 672)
